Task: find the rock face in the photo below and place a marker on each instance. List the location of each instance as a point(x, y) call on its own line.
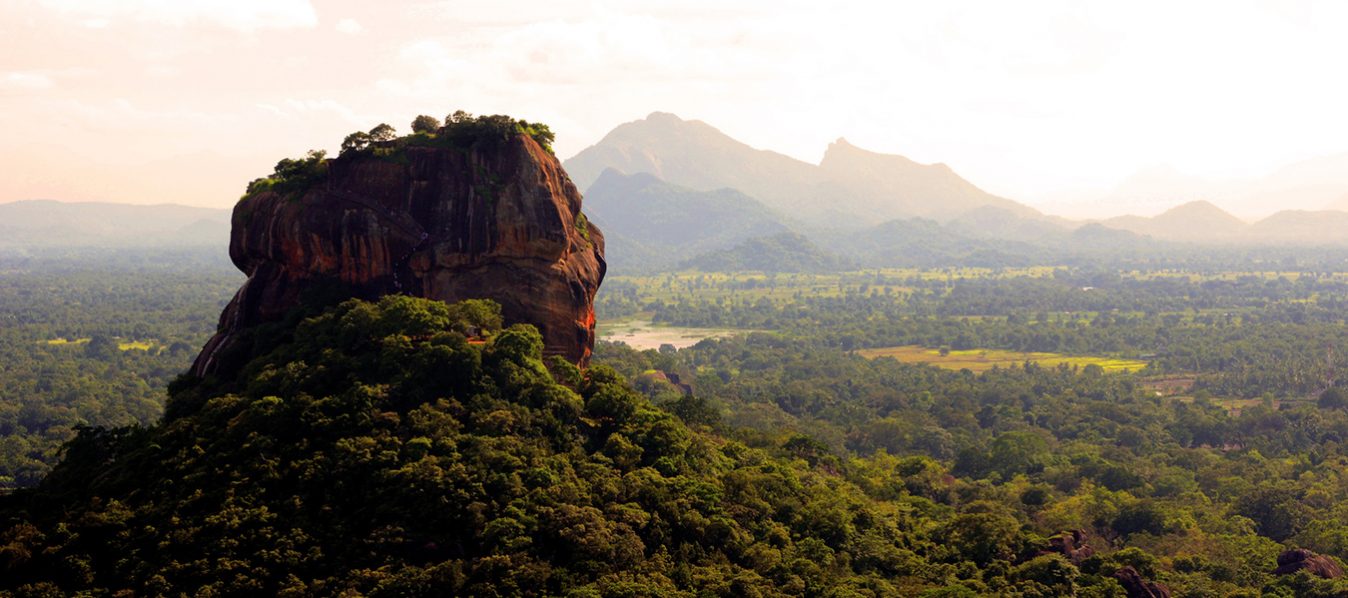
point(1291, 561)
point(1138, 587)
point(1070, 544)
point(496, 221)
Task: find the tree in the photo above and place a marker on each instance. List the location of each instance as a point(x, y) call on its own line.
point(1333, 398)
point(425, 124)
point(457, 117)
point(1140, 517)
point(356, 142)
point(539, 132)
point(383, 132)
point(1018, 452)
point(982, 537)
point(100, 347)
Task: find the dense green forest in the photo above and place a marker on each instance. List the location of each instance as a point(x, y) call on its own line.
point(372, 449)
point(92, 338)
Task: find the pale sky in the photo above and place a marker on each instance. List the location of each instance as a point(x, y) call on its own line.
point(185, 102)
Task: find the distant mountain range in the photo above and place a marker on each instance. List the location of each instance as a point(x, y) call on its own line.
point(859, 199)
point(1196, 221)
point(1310, 185)
point(47, 223)
point(1201, 222)
point(850, 188)
point(652, 224)
point(671, 193)
point(785, 252)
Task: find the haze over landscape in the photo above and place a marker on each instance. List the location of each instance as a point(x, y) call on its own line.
point(1081, 109)
point(608, 299)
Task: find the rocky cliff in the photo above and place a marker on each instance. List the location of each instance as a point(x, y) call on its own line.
point(497, 219)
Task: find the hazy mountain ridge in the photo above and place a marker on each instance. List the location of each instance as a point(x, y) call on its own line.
point(1315, 184)
point(656, 224)
point(850, 188)
point(853, 189)
point(897, 186)
point(1301, 227)
point(1193, 221)
point(1203, 222)
point(994, 222)
point(49, 223)
point(668, 190)
point(785, 252)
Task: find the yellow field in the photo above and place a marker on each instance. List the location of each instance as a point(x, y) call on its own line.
point(980, 360)
point(123, 345)
point(1229, 276)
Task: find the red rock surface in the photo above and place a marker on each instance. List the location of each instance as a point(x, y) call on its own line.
point(497, 222)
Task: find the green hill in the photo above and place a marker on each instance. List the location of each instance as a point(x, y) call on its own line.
point(787, 252)
point(376, 450)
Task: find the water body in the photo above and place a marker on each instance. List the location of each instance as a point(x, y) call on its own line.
point(642, 334)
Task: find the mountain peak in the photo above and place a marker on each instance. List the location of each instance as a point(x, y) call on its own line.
point(658, 116)
point(1201, 210)
point(1195, 221)
point(843, 153)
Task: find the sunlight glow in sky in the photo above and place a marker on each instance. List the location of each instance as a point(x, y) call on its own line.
point(1046, 102)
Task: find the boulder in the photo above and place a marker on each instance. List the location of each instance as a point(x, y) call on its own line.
point(1298, 559)
point(1070, 544)
point(497, 221)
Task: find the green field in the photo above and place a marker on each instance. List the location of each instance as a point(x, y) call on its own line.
point(980, 360)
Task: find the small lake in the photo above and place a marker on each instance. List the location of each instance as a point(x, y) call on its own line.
point(642, 334)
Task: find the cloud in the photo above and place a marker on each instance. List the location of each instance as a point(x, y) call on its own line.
point(239, 15)
point(26, 81)
point(349, 27)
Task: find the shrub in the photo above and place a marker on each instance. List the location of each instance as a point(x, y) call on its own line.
point(292, 175)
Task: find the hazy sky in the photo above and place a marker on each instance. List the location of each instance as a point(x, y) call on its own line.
point(182, 101)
